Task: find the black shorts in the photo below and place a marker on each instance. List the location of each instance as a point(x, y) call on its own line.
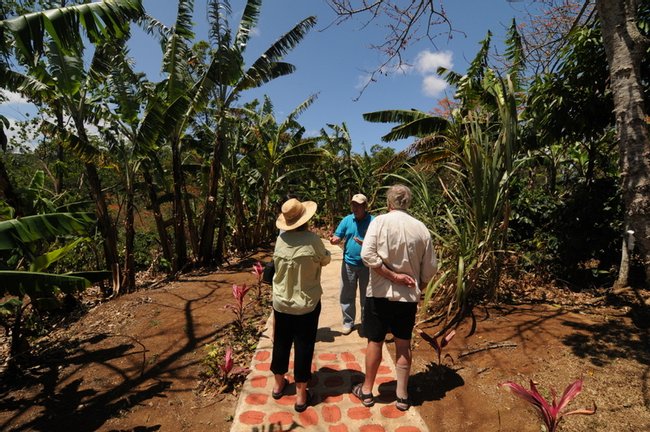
point(381, 316)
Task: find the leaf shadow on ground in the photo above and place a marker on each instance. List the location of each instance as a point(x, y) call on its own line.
point(432, 384)
point(604, 343)
point(68, 406)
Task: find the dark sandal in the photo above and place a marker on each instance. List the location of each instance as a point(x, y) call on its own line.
point(300, 408)
point(367, 399)
point(279, 394)
point(402, 404)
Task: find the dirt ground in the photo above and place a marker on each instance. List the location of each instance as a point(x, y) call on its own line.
point(133, 363)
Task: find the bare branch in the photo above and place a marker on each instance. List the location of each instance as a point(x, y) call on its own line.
point(405, 24)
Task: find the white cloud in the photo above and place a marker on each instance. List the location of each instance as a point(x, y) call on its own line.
point(428, 62)
point(433, 86)
point(363, 81)
point(14, 98)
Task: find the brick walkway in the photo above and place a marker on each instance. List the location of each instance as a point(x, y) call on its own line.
point(338, 363)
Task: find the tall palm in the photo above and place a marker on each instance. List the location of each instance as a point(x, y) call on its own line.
point(338, 168)
point(282, 151)
point(226, 78)
point(132, 129)
point(174, 97)
point(27, 36)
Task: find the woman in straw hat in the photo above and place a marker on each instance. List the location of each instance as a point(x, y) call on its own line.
point(298, 257)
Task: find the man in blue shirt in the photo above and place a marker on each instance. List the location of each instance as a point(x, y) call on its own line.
point(354, 274)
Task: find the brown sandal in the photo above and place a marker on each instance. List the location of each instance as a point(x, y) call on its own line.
point(367, 399)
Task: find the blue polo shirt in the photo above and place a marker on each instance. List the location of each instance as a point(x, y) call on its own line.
point(349, 228)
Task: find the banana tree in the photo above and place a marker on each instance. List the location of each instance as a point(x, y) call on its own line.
point(338, 167)
point(48, 44)
point(27, 35)
point(133, 126)
point(282, 152)
point(225, 80)
point(26, 284)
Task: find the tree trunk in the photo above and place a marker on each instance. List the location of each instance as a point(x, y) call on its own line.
point(129, 260)
point(221, 238)
point(180, 250)
point(103, 218)
point(210, 207)
point(7, 191)
point(58, 170)
point(191, 227)
point(625, 47)
point(157, 214)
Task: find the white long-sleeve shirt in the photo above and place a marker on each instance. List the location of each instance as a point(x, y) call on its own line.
point(404, 245)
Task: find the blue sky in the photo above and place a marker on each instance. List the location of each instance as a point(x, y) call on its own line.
point(334, 61)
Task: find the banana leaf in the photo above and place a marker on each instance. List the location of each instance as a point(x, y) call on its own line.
point(44, 261)
point(36, 285)
point(92, 276)
point(16, 232)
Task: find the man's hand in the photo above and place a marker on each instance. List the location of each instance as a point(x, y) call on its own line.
point(404, 279)
point(394, 277)
point(358, 240)
point(334, 239)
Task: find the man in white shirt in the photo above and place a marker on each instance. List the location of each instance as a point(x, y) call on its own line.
point(399, 252)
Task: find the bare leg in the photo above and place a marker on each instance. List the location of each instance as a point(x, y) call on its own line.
point(279, 383)
point(402, 366)
point(301, 393)
point(373, 359)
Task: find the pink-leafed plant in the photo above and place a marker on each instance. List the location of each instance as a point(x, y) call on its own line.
point(258, 270)
point(229, 372)
point(239, 293)
point(551, 413)
point(439, 346)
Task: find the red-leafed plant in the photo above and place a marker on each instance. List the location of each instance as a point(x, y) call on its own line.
point(258, 270)
point(551, 413)
point(439, 346)
point(239, 292)
point(229, 372)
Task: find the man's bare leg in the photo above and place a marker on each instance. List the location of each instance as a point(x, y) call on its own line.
point(402, 366)
point(373, 360)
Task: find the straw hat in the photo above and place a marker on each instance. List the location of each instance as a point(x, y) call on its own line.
point(295, 213)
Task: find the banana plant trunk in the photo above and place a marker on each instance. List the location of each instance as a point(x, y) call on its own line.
point(7, 191)
point(58, 170)
point(106, 226)
point(221, 238)
point(180, 249)
point(242, 237)
point(206, 250)
point(191, 226)
point(157, 214)
point(625, 48)
point(129, 260)
point(260, 225)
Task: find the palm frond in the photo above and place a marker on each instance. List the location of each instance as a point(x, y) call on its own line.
point(108, 18)
point(248, 21)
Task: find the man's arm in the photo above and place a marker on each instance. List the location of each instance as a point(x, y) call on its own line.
point(338, 234)
point(394, 277)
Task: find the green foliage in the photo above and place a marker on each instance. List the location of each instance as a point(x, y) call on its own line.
point(576, 237)
point(22, 241)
